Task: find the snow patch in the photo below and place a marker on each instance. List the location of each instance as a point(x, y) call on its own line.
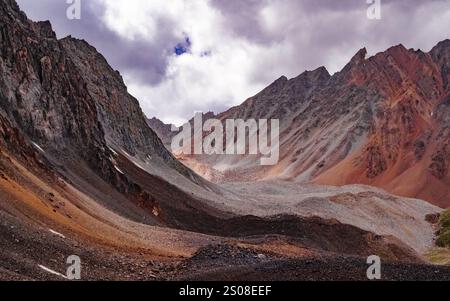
point(56, 233)
point(126, 154)
point(52, 272)
point(113, 151)
point(38, 147)
point(138, 165)
point(118, 169)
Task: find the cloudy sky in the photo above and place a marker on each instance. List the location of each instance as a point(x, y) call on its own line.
point(182, 56)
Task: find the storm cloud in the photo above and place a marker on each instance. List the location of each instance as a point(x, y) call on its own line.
point(181, 56)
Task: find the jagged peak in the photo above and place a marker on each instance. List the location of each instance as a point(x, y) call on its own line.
point(70, 41)
point(45, 23)
point(281, 81)
point(45, 29)
point(322, 69)
point(397, 49)
point(12, 10)
point(360, 56)
point(77, 41)
point(319, 75)
point(320, 72)
point(443, 43)
point(277, 85)
point(209, 114)
point(441, 46)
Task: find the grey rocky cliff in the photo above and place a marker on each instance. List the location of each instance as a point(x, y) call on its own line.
point(63, 96)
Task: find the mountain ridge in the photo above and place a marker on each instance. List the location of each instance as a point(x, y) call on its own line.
point(387, 110)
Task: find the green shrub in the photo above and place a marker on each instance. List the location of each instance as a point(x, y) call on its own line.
point(443, 240)
point(445, 220)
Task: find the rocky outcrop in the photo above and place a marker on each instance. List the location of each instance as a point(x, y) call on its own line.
point(119, 113)
point(440, 163)
point(42, 93)
point(441, 56)
point(64, 95)
point(59, 99)
point(164, 131)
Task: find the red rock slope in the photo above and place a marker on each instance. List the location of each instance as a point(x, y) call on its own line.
point(382, 121)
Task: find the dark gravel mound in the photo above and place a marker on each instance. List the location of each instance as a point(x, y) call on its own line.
point(225, 263)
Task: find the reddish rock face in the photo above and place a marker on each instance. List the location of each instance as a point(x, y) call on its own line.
point(405, 150)
point(382, 121)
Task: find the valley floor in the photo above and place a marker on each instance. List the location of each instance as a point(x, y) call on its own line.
point(223, 264)
point(272, 231)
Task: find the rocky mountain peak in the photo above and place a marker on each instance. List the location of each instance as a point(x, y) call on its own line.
point(10, 10)
point(321, 72)
point(276, 85)
point(353, 66)
point(313, 78)
point(45, 29)
point(441, 55)
point(442, 46)
point(64, 96)
point(359, 57)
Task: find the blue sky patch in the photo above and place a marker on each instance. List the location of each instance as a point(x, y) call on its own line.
point(184, 47)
